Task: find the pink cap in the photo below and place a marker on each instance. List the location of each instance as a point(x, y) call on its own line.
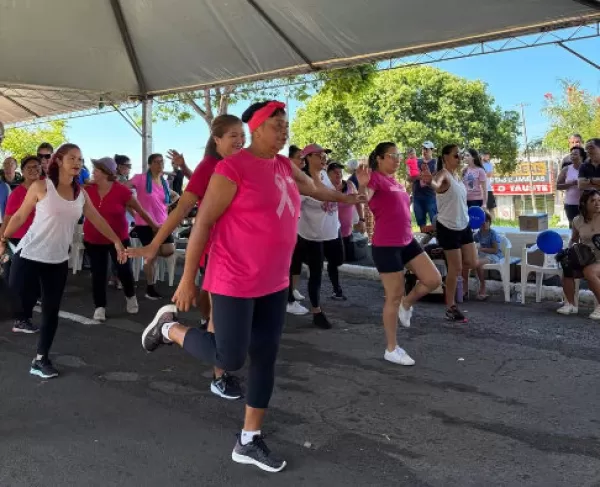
point(313, 149)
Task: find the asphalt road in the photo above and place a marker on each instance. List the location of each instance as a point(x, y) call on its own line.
point(508, 400)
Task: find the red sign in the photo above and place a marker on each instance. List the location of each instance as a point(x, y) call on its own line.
point(522, 188)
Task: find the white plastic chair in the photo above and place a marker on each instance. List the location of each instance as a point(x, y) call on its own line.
point(549, 268)
point(77, 250)
point(137, 262)
point(503, 267)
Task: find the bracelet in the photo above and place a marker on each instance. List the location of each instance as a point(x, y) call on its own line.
point(361, 220)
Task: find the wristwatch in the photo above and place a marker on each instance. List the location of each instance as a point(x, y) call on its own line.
point(361, 220)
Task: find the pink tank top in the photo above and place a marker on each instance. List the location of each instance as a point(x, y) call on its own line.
point(254, 239)
point(572, 194)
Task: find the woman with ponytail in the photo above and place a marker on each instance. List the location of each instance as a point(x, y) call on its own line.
point(452, 225)
point(155, 197)
point(227, 137)
point(394, 247)
point(43, 253)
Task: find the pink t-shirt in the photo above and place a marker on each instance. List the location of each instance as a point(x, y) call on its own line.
point(390, 205)
point(413, 167)
point(113, 208)
point(197, 185)
point(153, 203)
point(14, 202)
point(254, 239)
point(346, 212)
point(472, 179)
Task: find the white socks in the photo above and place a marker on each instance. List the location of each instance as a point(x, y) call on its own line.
point(248, 436)
point(165, 331)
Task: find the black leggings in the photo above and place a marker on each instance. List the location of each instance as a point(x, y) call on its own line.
point(314, 254)
point(99, 255)
point(243, 327)
point(52, 279)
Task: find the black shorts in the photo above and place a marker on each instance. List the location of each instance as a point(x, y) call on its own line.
point(453, 239)
point(491, 201)
point(145, 235)
point(394, 259)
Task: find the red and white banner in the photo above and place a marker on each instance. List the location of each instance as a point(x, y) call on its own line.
point(522, 188)
point(521, 181)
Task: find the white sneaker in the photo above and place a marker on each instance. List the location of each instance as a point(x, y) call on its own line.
point(405, 315)
point(100, 314)
point(298, 296)
point(596, 313)
point(296, 308)
point(567, 309)
point(398, 356)
point(132, 305)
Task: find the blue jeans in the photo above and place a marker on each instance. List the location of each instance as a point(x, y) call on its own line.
point(423, 207)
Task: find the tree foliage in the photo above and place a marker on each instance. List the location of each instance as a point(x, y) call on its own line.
point(408, 106)
point(209, 103)
point(24, 141)
point(572, 111)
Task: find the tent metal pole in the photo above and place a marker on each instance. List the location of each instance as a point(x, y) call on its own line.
point(20, 105)
point(147, 145)
point(580, 56)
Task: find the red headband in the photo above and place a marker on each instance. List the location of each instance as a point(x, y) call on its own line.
point(263, 114)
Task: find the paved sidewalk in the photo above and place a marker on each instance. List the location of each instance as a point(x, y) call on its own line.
point(508, 400)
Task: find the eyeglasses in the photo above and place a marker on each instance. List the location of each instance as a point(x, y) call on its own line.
point(44, 156)
point(393, 155)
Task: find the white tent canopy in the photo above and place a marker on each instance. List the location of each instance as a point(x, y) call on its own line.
point(61, 56)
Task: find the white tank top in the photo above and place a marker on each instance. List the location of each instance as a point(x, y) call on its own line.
point(573, 193)
point(319, 219)
point(452, 205)
point(51, 232)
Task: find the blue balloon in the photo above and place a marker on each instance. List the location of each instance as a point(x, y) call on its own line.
point(549, 242)
point(476, 217)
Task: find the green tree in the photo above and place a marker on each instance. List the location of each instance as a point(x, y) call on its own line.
point(209, 103)
point(572, 111)
point(23, 141)
point(408, 106)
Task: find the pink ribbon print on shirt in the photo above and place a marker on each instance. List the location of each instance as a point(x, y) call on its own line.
point(285, 196)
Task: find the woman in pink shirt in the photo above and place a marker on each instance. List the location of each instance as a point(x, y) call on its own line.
point(155, 197)
point(227, 137)
point(394, 247)
point(253, 201)
point(474, 179)
point(31, 169)
point(112, 200)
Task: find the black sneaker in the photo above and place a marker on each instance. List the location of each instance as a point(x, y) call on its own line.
point(43, 368)
point(339, 296)
point(257, 453)
point(152, 294)
point(321, 321)
point(152, 337)
point(454, 314)
point(24, 326)
point(227, 386)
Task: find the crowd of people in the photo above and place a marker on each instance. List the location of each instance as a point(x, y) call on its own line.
point(296, 210)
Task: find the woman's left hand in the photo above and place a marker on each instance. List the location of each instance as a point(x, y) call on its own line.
point(121, 253)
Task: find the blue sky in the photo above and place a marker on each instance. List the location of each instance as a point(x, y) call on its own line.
point(513, 77)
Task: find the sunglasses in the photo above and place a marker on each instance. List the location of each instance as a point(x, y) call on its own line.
point(44, 156)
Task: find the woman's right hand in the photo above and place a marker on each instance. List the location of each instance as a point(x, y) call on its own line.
point(2, 250)
point(148, 252)
point(185, 296)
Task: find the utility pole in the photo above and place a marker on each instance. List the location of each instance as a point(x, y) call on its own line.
point(522, 107)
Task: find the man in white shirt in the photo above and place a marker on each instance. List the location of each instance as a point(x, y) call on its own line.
point(488, 167)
